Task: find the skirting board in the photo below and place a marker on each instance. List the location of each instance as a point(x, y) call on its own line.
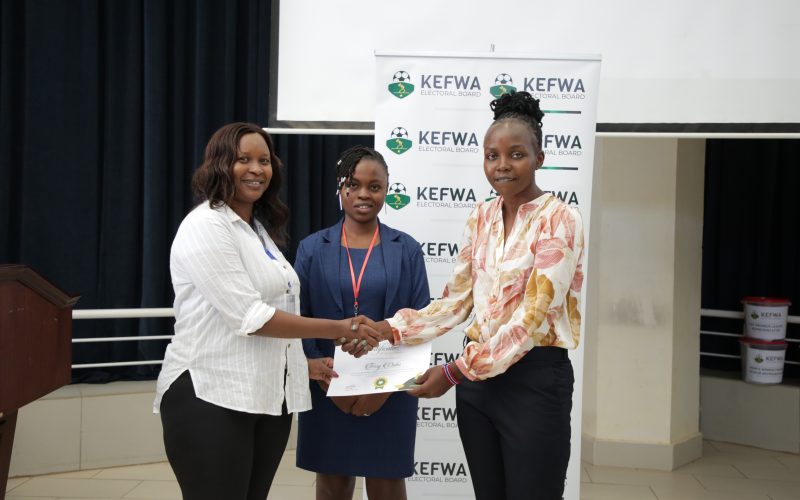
point(641, 455)
point(764, 416)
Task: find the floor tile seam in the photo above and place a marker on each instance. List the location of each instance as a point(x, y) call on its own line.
point(93, 479)
point(773, 482)
point(701, 482)
point(737, 469)
point(20, 484)
point(763, 478)
point(143, 480)
point(622, 484)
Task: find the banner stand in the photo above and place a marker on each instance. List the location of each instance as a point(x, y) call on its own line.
point(431, 114)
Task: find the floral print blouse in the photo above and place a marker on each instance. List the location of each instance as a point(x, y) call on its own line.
point(525, 292)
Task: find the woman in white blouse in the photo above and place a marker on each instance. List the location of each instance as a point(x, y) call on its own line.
point(235, 370)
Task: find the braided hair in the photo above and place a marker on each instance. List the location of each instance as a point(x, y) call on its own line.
point(523, 107)
point(346, 166)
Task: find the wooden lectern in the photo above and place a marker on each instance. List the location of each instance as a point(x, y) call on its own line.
point(35, 348)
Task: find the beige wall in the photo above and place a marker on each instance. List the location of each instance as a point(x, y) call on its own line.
point(641, 398)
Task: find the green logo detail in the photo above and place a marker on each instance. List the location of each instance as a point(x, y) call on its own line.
point(759, 359)
point(397, 197)
point(492, 195)
point(754, 315)
point(399, 142)
point(401, 85)
point(379, 382)
point(503, 84)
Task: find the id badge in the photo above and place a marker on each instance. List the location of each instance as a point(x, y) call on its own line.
point(288, 302)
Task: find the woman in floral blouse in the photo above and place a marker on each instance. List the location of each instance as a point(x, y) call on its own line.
point(520, 271)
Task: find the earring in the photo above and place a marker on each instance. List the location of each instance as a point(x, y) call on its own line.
point(340, 201)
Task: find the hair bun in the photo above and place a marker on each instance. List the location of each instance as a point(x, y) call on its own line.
point(518, 103)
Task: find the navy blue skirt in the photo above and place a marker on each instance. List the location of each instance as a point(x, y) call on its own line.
point(381, 445)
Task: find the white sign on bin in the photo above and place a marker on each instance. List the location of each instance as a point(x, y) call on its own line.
point(765, 317)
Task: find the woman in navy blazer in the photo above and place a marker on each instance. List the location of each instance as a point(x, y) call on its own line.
point(358, 266)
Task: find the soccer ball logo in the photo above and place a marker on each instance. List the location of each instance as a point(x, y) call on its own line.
point(397, 197)
point(399, 133)
point(503, 79)
point(503, 84)
point(398, 141)
point(401, 76)
point(401, 86)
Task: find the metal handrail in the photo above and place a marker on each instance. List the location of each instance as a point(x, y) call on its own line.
point(160, 312)
point(718, 313)
point(168, 312)
point(154, 312)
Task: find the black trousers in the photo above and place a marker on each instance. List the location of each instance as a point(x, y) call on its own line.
point(515, 428)
point(217, 453)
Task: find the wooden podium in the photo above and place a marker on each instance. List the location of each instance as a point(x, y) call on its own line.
point(35, 348)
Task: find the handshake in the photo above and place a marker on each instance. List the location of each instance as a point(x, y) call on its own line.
point(360, 335)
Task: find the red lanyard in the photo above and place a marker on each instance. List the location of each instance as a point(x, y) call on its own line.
point(357, 285)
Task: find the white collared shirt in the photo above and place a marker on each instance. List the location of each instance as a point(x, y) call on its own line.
point(227, 286)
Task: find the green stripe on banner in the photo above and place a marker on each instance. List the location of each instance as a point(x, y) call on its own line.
point(557, 168)
point(561, 112)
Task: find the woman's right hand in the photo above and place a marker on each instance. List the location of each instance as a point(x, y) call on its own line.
point(381, 328)
point(356, 336)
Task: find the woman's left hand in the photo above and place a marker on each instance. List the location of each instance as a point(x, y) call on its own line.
point(432, 384)
point(321, 369)
point(368, 404)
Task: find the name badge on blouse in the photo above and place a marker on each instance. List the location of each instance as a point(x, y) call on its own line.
point(288, 302)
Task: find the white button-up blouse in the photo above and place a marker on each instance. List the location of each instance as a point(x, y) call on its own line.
point(228, 283)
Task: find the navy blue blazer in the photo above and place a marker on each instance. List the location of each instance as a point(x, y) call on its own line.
point(317, 264)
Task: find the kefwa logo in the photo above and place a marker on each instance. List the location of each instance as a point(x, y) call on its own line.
point(450, 85)
point(448, 141)
point(437, 417)
point(397, 197)
point(547, 87)
point(439, 252)
point(503, 84)
point(563, 145)
point(447, 472)
point(398, 141)
point(445, 197)
point(568, 197)
point(401, 85)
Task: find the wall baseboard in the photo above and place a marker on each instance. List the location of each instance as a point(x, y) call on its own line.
point(641, 455)
point(764, 416)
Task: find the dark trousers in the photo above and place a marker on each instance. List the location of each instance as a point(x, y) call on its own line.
point(217, 453)
point(515, 428)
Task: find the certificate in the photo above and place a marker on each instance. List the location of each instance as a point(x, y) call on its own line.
point(386, 368)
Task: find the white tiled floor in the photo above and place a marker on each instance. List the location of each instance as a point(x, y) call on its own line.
point(726, 472)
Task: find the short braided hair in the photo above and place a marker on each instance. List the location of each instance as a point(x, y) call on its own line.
point(520, 106)
point(348, 161)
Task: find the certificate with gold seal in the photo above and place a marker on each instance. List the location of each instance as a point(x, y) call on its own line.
point(386, 368)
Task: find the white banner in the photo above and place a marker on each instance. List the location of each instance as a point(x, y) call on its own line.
point(431, 114)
